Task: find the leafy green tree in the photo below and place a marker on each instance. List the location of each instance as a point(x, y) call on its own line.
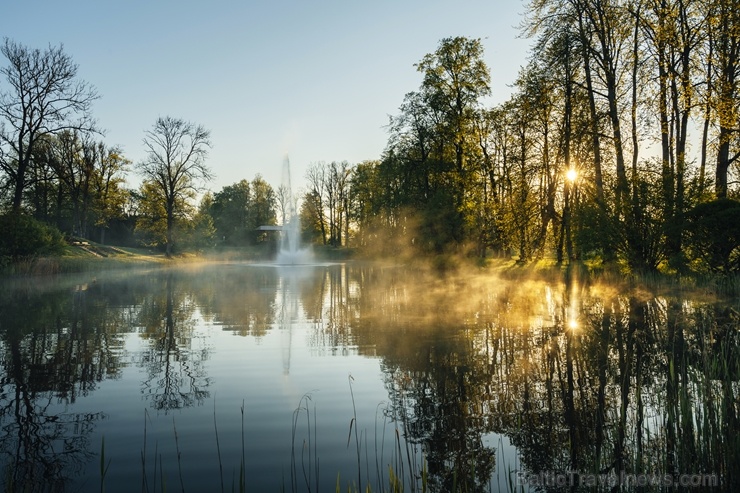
point(565, 39)
point(434, 162)
point(521, 208)
point(44, 196)
point(230, 209)
point(75, 163)
point(174, 164)
point(379, 209)
point(607, 79)
point(109, 194)
point(412, 142)
point(191, 228)
point(199, 232)
point(238, 210)
point(262, 210)
point(672, 34)
point(151, 216)
point(77, 184)
point(643, 243)
point(366, 192)
point(22, 236)
point(715, 234)
point(311, 214)
point(724, 16)
point(456, 78)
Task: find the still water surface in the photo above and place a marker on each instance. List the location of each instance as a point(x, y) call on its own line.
point(296, 379)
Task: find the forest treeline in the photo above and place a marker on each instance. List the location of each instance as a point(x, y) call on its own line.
point(618, 143)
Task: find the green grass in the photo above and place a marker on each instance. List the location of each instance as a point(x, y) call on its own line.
point(86, 258)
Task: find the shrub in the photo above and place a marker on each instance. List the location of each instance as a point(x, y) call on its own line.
point(23, 236)
point(714, 234)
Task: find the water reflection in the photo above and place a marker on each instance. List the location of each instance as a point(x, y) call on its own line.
point(641, 384)
point(580, 379)
point(56, 347)
point(175, 375)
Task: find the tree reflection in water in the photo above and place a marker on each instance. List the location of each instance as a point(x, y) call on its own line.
point(582, 378)
point(59, 341)
point(54, 349)
point(175, 372)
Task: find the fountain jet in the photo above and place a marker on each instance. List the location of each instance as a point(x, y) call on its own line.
point(290, 252)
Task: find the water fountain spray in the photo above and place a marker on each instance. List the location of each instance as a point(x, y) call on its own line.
point(290, 252)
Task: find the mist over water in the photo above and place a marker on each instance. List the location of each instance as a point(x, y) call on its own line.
point(479, 376)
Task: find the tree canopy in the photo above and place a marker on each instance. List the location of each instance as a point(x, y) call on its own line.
point(618, 143)
point(175, 163)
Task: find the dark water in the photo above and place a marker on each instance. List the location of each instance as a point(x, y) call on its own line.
point(299, 379)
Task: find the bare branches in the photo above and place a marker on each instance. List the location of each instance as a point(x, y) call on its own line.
point(43, 97)
point(175, 163)
point(176, 152)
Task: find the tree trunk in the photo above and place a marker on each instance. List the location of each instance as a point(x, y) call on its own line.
point(707, 107)
point(20, 179)
point(723, 163)
point(595, 140)
point(170, 227)
point(728, 55)
point(622, 185)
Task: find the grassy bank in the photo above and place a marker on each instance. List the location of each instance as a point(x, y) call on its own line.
point(616, 275)
point(83, 258)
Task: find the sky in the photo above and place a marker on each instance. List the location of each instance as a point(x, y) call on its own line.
point(312, 80)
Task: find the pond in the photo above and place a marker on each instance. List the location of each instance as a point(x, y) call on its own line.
point(238, 376)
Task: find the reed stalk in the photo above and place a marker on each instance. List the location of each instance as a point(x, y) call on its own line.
point(103, 466)
point(218, 448)
point(179, 455)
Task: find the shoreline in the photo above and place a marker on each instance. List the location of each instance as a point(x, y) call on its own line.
point(91, 257)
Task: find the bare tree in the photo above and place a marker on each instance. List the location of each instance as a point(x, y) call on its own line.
point(283, 198)
point(43, 97)
point(317, 179)
point(175, 162)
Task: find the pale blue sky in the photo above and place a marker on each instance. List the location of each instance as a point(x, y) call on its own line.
point(314, 79)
